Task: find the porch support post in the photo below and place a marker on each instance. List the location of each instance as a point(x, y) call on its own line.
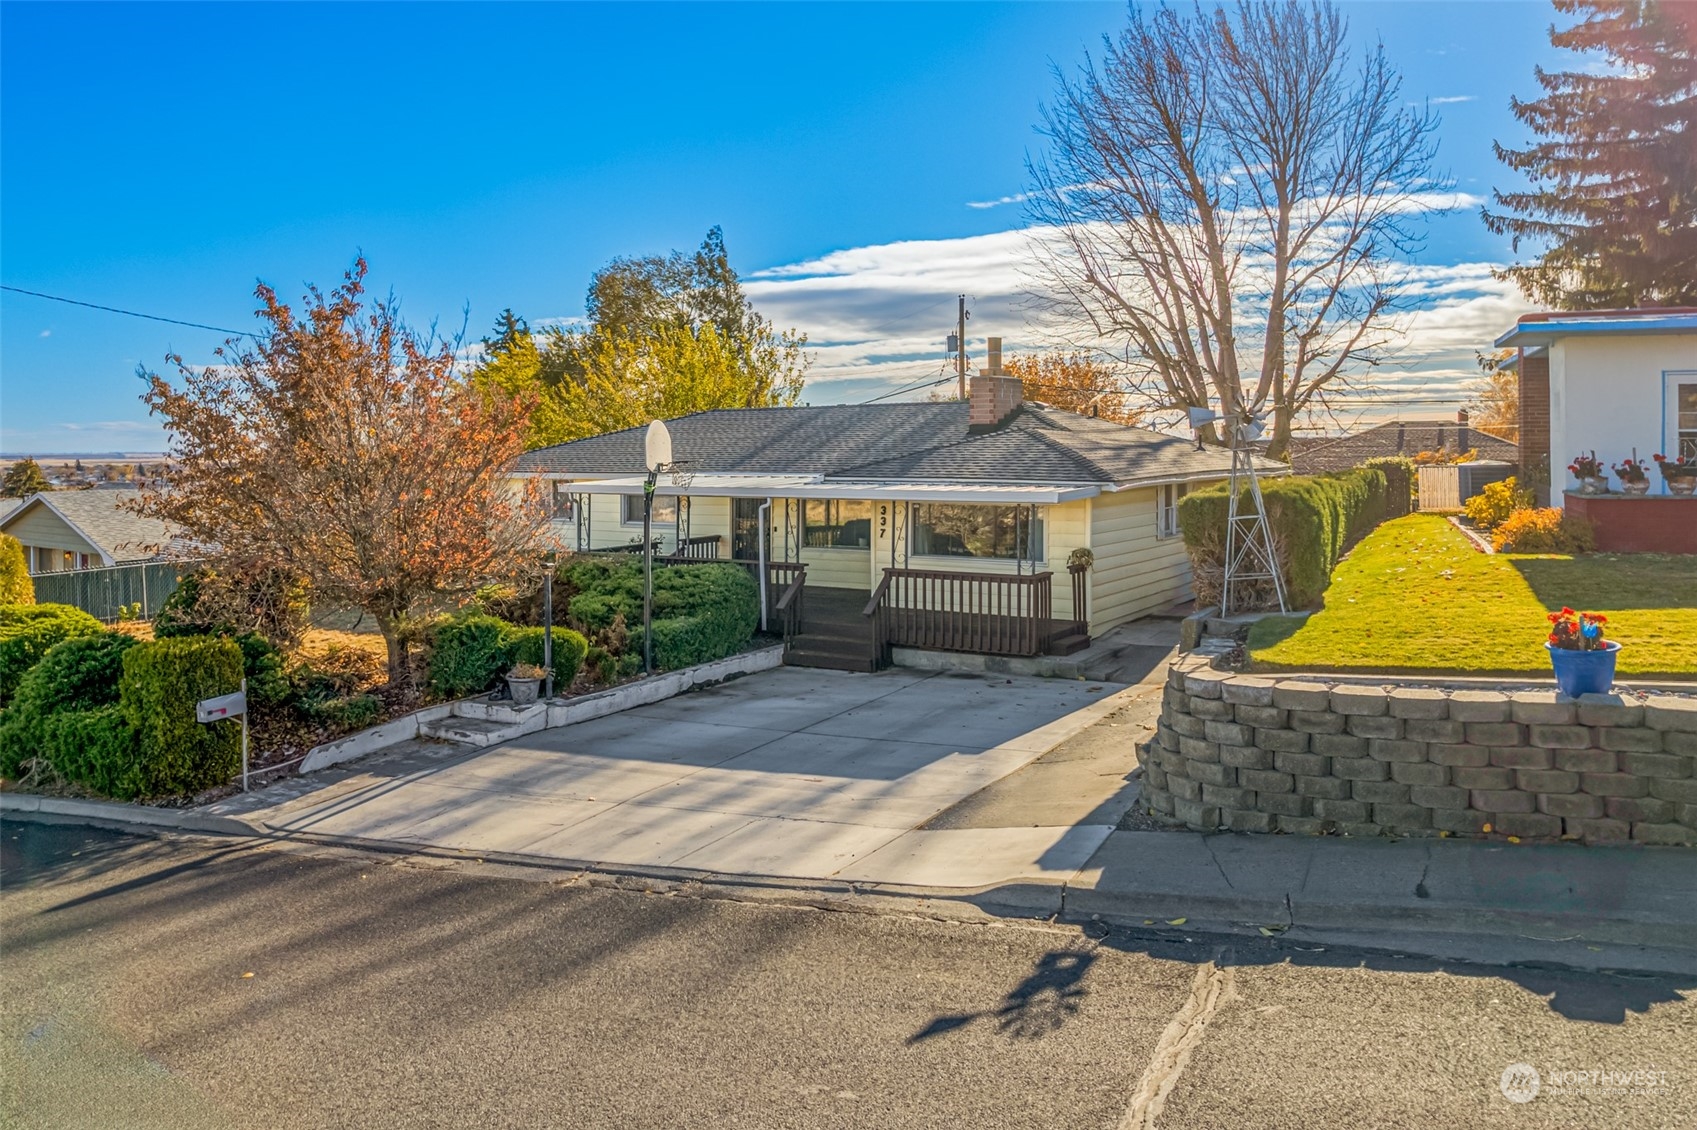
point(760, 544)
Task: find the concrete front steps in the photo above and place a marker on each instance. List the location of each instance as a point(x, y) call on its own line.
point(482, 723)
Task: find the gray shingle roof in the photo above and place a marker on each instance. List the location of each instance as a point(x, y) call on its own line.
point(99, 516)
point(1406, 438)
point(897, 442)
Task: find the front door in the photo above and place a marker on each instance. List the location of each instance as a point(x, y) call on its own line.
point(745, 529)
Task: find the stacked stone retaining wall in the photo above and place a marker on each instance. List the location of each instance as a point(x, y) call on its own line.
point(1262, 754)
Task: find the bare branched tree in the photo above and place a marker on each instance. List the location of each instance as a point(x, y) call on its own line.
point(1229, 193)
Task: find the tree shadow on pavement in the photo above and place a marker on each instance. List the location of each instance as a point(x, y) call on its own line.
point(1032, 1009)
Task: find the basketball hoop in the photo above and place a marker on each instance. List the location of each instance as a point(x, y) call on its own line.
point(681, 472)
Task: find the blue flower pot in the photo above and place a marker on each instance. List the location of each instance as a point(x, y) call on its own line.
point(1584, 672)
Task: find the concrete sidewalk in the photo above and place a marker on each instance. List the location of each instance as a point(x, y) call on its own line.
point(1555, 893)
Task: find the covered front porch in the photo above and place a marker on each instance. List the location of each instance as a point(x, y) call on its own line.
point(850, 571)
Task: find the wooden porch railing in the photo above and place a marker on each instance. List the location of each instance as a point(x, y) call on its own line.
point(691, 550)
point(788, 606)
point(987, 614)
point(1080, 594)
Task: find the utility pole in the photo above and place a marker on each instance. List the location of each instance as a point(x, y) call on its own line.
point(960, 353)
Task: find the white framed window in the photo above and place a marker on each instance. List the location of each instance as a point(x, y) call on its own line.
point(839, 523)
point(665, 509)
point(946, 529)
point(1685, 418)
point(1166, 509)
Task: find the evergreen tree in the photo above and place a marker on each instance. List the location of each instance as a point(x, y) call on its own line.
point(1614, 177)
point(23, 479)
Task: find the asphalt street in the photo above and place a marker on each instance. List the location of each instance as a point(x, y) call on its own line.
point(210, 983)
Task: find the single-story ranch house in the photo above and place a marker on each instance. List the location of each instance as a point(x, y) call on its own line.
point(951, 525)
point(1619, 383)
point(83, 529)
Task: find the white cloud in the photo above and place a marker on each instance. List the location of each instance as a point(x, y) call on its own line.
point(1452, 99)
point(876, 316)
point(46, 333)
point(1016, 198)
point(106, 426)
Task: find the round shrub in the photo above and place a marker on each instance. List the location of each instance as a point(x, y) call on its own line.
point(97, 750)
point(28, 630)
point(467, 654)
point(1491, 507)
point(349, 712)
point(161, 683)
point(525, 646)
point(76, 674)
point(1545, 530)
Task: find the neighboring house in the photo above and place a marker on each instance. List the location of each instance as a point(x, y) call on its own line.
point(83, 529)
point(947, 525)
point(1405, 438)
point(1616, 382)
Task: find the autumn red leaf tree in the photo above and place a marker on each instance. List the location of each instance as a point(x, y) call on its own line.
point(342, 445)
point(1077, 382)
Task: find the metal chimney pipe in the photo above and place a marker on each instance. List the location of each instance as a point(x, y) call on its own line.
point(993, 355)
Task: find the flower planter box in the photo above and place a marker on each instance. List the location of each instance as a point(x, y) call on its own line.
point(1651, 523)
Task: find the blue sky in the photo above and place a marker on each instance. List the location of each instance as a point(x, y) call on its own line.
point(162, 158)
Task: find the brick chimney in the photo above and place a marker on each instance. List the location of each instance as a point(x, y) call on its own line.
point(992, 396)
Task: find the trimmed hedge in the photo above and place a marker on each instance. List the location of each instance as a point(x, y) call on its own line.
point(161, 683)
point(524, 645)
point(97, 749)
point(1314, 521)
point(27, 631)
point(1402, 484)
point(467, 654)
point(76, 674)
point(701, 612)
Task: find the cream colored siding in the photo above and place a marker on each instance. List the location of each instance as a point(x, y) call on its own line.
point(41, 529)
point(710, 516)
point(1136, 573)
point(1066, 527)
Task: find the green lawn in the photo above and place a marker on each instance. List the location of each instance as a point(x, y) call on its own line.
point(1416, 596)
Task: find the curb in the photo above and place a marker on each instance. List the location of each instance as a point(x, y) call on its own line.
point(1484, 934)
point(117, 814)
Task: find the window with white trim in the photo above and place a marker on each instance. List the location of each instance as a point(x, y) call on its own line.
point(1685, 422)
point(1166, 509)
point(836, 522)
point(665, 510)
point(946, 529)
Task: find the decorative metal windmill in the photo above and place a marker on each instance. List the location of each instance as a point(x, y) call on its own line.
point(1249, 552)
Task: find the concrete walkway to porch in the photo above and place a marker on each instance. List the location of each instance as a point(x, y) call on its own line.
point(788, 773)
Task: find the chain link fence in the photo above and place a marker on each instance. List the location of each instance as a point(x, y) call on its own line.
point(105, 593)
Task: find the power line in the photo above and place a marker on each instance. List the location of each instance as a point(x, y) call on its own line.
point(910, 315)
point(930, 383)
point(131, 313)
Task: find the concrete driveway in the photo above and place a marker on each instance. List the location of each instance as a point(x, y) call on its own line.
point(793, 773)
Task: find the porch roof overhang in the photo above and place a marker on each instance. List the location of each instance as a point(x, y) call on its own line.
point(1544, 329)
point(815, 486)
